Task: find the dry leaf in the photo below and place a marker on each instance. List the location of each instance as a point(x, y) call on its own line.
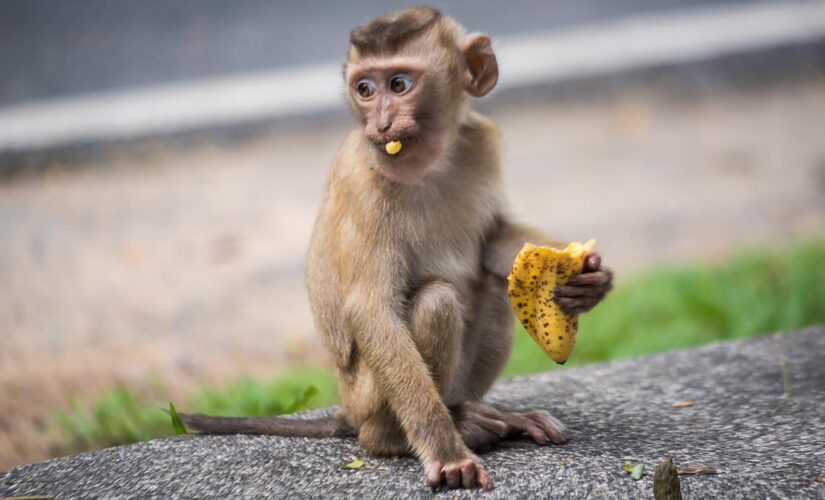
point(696, 470)
point(356, 463)
point(683, 404)
point(635, 471)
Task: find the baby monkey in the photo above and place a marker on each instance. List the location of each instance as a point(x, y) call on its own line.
point(409, 257)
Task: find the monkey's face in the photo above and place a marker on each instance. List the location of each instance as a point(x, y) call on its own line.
point(399, 99)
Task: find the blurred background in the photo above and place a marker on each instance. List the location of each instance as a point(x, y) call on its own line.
point(161, 163)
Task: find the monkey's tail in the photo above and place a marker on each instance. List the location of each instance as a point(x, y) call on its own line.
point(331, 426)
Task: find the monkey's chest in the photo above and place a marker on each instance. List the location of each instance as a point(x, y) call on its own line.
point(455, 264)
point(451, 256)
point(444, 237)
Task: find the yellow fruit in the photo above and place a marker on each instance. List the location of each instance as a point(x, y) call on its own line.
point(392, 148)
point(537, 271)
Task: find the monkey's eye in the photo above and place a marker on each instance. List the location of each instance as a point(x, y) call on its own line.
point(400, 84)
point(365, 89)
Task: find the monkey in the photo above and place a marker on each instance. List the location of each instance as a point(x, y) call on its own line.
point(409, 255)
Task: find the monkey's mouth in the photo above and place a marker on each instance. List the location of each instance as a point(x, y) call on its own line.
point(395, 148)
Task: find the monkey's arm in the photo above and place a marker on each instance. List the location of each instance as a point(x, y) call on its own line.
point(504, 242)
point(386, 346)
point(581, 293)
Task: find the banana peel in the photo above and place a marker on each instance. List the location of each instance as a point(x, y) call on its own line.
point(537, 271)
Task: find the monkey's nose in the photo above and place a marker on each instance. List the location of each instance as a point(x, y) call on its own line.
point(383, 127)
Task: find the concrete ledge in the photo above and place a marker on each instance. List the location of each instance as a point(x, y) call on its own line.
point(759, 418)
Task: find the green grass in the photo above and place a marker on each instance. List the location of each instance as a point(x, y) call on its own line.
point(122, 416)
point(753, 293)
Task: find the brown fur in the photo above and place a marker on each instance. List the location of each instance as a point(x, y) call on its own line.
point(408, 258)
point(386, 34)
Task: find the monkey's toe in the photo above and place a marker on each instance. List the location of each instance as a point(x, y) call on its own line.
point(465, 473)
point(550, 425)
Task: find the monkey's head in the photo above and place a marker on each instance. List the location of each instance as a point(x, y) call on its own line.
point(407, 75)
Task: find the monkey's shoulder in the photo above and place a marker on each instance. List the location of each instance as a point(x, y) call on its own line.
point(348, 155)
point(479, 144)
point(479, 130)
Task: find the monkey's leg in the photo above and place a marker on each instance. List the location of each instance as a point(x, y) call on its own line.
point(436, 327)
point(381, 434)
point(478, 431)
point(493, 329)
point(488, 341)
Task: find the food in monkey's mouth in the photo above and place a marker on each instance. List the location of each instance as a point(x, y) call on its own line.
point(537, 271)
point(393, 147)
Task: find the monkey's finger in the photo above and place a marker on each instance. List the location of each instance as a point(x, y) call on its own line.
point(578, 305)
point(557, 437)
point(499, 427)
point(530, 427)
point(537, 433)
point(582, 305)
point(551, 426)
point(492, 426)
point(452, 474)
point(433, 472)
point(571, 291)
point(601, 277)
point(569, 304)
point(483, 479)
point(592, 262)
point(468, 475)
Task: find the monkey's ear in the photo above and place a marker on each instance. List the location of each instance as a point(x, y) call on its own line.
point(482, 67)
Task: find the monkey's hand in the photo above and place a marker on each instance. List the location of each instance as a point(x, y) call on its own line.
point(583, 291)
point(467, 472)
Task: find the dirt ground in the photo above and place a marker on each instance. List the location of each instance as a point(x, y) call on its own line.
point(186, 264)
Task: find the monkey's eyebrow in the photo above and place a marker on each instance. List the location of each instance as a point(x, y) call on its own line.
point(401, 65)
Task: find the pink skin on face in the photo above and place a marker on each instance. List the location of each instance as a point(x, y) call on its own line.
point(387, 93)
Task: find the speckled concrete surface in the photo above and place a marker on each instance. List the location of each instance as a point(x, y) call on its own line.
point(763, 444)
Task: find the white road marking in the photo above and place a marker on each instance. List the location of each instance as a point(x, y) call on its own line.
point(633, 42)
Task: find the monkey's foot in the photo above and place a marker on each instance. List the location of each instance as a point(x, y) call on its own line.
point(481, 425)
point(478, 428)
point(465, 473)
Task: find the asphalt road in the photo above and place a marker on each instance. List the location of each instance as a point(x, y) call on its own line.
point(52, 48)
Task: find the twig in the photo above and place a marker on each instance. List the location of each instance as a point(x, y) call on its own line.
point(696, 470)
point(786, 377)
